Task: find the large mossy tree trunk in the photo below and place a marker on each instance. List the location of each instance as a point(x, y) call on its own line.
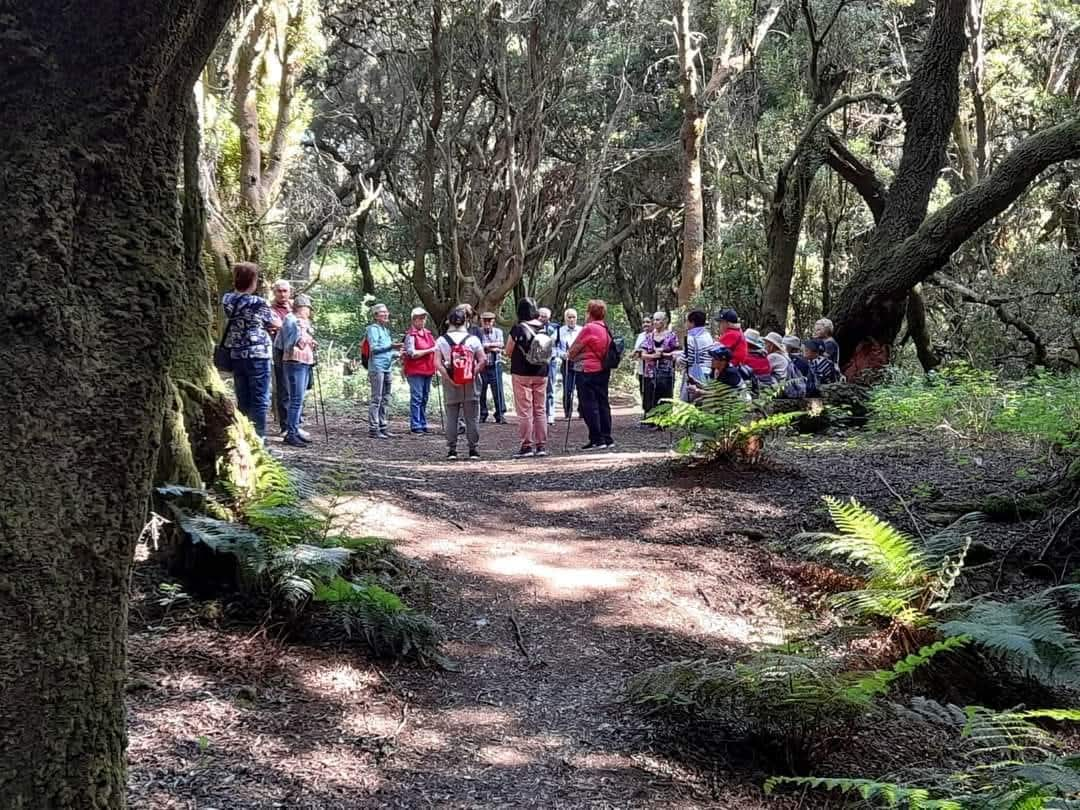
point(94, 300)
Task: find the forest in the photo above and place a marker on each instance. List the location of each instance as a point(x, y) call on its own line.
point(865, 593)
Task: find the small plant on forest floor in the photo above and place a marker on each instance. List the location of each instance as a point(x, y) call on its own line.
point(383, 620)
point(721, 425)
point(792, 698)
point(910, 581)
point(287, 552)
point(1011, 764)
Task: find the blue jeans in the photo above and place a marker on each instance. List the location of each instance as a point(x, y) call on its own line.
point(419, 390)
point(297, 375)
point(595, 409)
point(492, 378)
point(251, 381)
point(568, 386)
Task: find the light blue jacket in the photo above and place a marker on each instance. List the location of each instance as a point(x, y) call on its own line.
point(383, 354)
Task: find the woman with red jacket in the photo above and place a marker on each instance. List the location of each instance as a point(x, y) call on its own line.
point(419, 369)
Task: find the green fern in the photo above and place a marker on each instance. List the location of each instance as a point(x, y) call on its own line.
point(1028, 635)
point(1031, 774)
point(383, 620)
point(874, 684)
point(718, 424)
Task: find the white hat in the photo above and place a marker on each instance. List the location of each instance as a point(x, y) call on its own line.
point(418, 311)
point(775, 339)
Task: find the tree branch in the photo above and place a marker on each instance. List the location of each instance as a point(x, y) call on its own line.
point(825, 112)
point(861, 177)
point(1003, 314)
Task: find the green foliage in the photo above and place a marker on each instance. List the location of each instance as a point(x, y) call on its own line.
point(721, 424)
point(1011, 764)
point(906, 577)
point(790, 696)
point(383, 620)
point(1028, 635)
point(1044, 408)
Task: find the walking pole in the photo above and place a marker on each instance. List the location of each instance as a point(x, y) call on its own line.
point(321, 403)
point(569, 418)
point(442, 419)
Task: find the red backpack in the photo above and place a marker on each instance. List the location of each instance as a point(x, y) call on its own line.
point(462, 362)
point(365, 352)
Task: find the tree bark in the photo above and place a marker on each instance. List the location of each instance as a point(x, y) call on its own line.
point(94, 99)
point(871, 308)
point(920, 333)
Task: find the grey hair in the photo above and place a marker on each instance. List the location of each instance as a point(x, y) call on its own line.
point(825, 324)
point(282, 284)
point(660, 316)
point(544, 311)
point(570, 311)
point(375, 310)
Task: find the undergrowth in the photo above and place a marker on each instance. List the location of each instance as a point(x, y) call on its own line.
point(721, 425)
point(971, 403)
point(287, 553)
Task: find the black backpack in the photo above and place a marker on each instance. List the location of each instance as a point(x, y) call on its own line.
point(615, 350)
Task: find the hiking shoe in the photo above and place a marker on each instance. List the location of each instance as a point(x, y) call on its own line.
point(591, 446)
point(451, 454)
point(418, 432)
point(384, 435)
point(524, 452)
point(474, 454)
point(304, 435)
point(295, 441)
point(540, 451)
point(609, 444)
point(500, 421)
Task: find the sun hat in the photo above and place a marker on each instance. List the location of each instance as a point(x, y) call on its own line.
point(718, 352)
point(417, 312)
point(301, 301)
point(753, 337)
point(792, 342)
point(487, 316)
point(775, 339)
point(729, 315)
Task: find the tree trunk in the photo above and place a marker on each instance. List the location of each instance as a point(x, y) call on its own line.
point(93, 94)
point(690, 138)
point(871, 307)
point(920, 334)
point(785, 227)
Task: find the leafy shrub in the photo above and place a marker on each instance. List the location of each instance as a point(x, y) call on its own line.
point(720, 425)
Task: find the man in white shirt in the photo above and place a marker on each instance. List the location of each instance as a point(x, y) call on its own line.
point(568, 333)
point(639, 362)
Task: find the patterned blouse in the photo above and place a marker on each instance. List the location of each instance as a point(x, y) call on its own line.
point(245, 335)
point(665, 366)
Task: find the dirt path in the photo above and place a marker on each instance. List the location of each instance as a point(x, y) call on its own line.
point(556, 580)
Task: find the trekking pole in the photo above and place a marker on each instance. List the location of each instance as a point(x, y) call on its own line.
point(321, 403)
point(569, 418)
point(438, 387)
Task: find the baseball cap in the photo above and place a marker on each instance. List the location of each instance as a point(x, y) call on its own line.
point(418, 311)
point(729, 315)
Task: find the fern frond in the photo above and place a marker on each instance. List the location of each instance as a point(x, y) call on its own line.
point(867, 686)
point(888, 793)
point(949, 541)
point(893, 557)
point(383, 621)
point(1029, 635)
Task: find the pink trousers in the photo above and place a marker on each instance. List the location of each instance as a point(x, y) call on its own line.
point(530, 395)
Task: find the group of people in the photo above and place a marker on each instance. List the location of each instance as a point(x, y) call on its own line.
point(270, 349)
point(469, 360)
point(266, 341)
point(741, 359)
